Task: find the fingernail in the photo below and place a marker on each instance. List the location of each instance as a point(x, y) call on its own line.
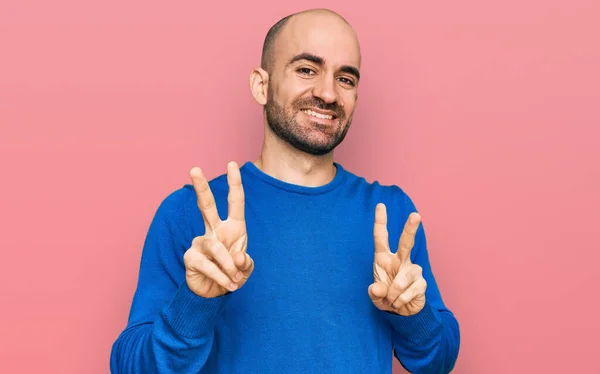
point(233, 286)
point(238, 276)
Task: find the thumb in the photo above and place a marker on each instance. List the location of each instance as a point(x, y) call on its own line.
point(377, 293)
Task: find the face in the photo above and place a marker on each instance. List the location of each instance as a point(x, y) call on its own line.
point(312, 89)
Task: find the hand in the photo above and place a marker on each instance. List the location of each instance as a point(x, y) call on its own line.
point(399, 285)
point(217, 262)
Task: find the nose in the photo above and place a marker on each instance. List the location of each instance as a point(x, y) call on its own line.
point(325, 89)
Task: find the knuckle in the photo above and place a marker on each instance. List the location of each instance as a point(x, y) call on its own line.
point(417, 270)
point(215, 275)
point(211, 273)
point(208, 268)
point(396, 286)
point(194, 260)
point(236, 198)
point(197, 242)
point(206, 246)
point(200, 261)
point(187, 256)
point(207, 205)
point(202, 186)
point(215, 247)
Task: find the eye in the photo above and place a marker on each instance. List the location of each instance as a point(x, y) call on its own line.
point(347, 81)
point(305, 71)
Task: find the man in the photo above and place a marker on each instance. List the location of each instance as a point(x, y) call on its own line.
point(291, 272)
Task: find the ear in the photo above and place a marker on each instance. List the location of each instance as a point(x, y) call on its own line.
point(259, 82)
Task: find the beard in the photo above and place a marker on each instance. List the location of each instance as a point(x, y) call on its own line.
point(282, 121)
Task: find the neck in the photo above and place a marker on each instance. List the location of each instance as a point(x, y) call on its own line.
point(284, 162)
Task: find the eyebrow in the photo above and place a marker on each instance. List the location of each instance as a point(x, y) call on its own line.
point(320, 61)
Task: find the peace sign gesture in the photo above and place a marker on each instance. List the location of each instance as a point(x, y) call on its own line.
point(399, 285)
point(217, 262)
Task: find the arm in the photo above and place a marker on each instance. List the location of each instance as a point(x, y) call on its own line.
point(170, 328)
point(426, 342)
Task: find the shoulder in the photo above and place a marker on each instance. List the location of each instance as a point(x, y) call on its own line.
point(397, 201)
point(181, 203)
point(186, 194)
point(177, 200)
point(393, 196)
point(399, 205)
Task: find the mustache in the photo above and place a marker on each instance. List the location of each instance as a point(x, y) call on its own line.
point(315, 102)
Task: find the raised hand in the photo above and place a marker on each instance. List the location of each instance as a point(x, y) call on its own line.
point(217, 262)
point(399, 285)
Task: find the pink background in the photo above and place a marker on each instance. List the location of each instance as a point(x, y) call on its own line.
point(485, 113)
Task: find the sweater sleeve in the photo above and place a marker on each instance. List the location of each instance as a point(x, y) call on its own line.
point(170, 329)
point(427, 342)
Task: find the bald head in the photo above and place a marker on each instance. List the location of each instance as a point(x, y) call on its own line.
point(300, 23)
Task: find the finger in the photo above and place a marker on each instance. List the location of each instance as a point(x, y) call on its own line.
point(416, 289)
point(377, 292)
point(380, 232)
point(204, 265)
point(407, 238)
point(206, 200)
point(217, 251)
point(244, 262)
point(405, 277)
point(235, 197)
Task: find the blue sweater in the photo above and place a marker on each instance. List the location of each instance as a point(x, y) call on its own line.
point(304, 309)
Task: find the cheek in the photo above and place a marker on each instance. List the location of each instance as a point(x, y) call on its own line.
point(291, 90)
point(350, 103)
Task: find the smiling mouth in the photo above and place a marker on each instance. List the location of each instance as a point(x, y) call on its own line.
point(318, 115)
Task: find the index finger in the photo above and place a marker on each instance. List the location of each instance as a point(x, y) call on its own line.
point(380, 232)
point(407, 238)
point(235, 198)
point(206, 200)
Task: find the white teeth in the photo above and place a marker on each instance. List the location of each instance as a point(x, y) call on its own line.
point(318, 115)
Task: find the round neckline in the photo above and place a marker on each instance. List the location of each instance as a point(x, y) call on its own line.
point(252, 169)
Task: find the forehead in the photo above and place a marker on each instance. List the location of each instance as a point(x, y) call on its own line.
point(326, 36)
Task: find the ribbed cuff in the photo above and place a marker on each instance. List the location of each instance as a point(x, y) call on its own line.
point(418, 327)
point(193, 316)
